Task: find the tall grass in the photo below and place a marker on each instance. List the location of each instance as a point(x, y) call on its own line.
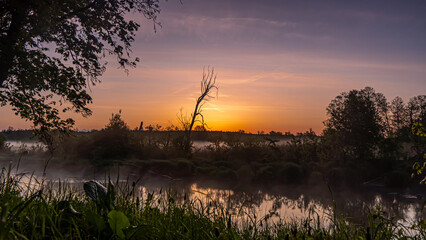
point(41, 210)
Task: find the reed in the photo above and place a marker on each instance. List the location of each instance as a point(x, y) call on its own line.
point(32, 209)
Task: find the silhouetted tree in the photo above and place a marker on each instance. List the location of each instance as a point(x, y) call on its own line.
point(200, 128)
point(399, 115)
point(113, 142)
point(51, 52)
point(208, 85)
point(116, 122)
point(417, 110)
point(356, 118)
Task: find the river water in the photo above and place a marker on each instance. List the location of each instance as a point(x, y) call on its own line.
point(24, 145)
point(266, 204)
point(265, 207)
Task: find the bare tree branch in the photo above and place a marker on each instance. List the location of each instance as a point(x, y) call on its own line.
point(208, 87)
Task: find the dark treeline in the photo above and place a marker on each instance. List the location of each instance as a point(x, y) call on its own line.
point(18, 134)
point(366, 140)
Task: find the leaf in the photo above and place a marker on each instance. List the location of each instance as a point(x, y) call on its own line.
point(66, 207)
point(423, 224)
point(95, 191)
point(136, 232)
point(95, 220)
point(118, 221)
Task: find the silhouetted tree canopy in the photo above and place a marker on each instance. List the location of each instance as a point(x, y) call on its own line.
point(357, 119)
point(51, 51)
point(116, 122)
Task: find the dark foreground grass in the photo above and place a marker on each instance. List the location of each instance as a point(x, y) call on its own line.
point(29, 211)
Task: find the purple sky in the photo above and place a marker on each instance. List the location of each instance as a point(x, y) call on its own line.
point(278, 63)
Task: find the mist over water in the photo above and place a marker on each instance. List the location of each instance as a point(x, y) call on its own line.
point(204, 144)
point(17, 145)
point(260, 204)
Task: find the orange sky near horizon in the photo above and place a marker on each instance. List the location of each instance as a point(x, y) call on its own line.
point(239, 103)
point(248, 100)
point(278, 64)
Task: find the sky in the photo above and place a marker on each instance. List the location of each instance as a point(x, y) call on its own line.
point(278, 63)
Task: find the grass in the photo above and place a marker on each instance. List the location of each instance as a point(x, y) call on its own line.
point(236, 157)
point(38, 210)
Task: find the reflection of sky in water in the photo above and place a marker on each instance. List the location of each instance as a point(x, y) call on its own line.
point(28, 145)
point(203, 144)
point(22, 145)
point(258, 208)
point(265, 209)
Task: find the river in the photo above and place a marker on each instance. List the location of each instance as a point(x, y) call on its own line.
point(262, 204)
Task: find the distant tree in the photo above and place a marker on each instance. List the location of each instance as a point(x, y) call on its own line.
point(158, 127)
point(200, 128)
point(149, 128)
point(288, 134)
point(116, 122)
point(399, 115)
point(357, 119)
point(417, 110)
point(51, 52)
point(273, 133)
point(111, 143)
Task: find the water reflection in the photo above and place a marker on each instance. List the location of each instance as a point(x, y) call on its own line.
point(17, 146)
point(261, 207)
point(293, 203)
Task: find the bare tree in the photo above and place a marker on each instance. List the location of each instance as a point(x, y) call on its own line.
point(208, 87)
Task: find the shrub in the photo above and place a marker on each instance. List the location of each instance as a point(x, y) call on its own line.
point(184, 167)
point(245, 174)
point(291, 173)
point(110, 144)
point(336, 176)
point(223, 173)
point(266, 173)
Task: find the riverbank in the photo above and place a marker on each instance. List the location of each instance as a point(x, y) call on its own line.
point(401, 203)
point(64, 211)
point(240, 157)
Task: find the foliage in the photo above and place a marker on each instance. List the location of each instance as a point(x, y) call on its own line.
point(111, 143)
point(51, 51)
point(65, 213)
point(419, 130)
point(335, 157)
point(419, 168)
point(116, 123)
point(291, 173)
point(369, 136)
point(355, 117)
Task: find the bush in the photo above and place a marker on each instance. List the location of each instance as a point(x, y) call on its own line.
point(110, 144)
point(223, 173)
point(266, 173)
point(291, 173)
point(184, 168)
point(245, 174)
point(336, 176)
